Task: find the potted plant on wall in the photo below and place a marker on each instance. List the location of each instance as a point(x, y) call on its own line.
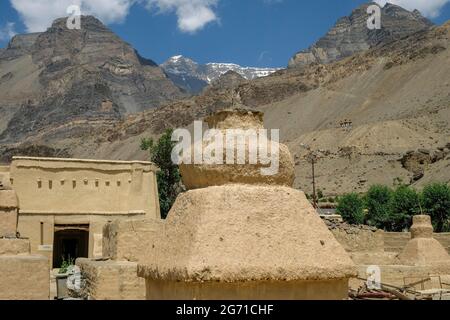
point(61, 278)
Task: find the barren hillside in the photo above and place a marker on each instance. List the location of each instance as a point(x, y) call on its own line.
point(380, 116)
point(376, 117)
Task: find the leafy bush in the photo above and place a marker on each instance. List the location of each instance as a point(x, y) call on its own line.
point(351, 208)
point(436, 203)
point(393, 210)
point(378, 203)
point(405, 203)
point(168, 176)
point(66, 264)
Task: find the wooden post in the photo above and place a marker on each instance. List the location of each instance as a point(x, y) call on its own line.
point(314, 182)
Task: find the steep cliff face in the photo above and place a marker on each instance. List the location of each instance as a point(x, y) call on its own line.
point(61, 76)
point(351, 35)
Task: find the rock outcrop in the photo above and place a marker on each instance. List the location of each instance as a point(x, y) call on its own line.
point(59, 77)
point(351, 35)
point(227, 81)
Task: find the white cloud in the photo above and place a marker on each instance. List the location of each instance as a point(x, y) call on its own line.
point(192, 15)
point(38, 15)
point(7, 31)
point(429, 8)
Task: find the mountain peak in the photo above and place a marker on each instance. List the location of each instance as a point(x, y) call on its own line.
point(177, 58)
point(87, 23)
point(87, 74)
point(194, 77)
point(350, 34)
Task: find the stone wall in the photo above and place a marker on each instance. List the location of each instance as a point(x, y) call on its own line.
point(369, 239)
point(368, 245)
point(4, 176)
point(444, 239)
point(128, 240)
point(396, 241)
point(14, 246)
point(8, 213)
point(115, 275)
point(24, 277)
point(111, 280)
point(356, 238)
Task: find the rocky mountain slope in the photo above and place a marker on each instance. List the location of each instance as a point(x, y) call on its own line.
point(379, 116)
point(351, 35)
point(58, 80)
point(382, 116)
point(194, 77)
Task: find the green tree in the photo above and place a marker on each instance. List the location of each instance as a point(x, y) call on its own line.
point(405, 203)
point(436, 203)
point(168, 176)
point(351, 208)
point(378, 203)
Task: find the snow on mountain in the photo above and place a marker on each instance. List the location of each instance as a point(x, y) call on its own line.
point(193, 77)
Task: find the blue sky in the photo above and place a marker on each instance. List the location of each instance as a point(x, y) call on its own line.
point(264, 33)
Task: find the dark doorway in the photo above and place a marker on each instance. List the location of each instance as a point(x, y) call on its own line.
point(70, 242)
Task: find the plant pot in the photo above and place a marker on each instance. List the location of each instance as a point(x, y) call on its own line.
point(61, 286)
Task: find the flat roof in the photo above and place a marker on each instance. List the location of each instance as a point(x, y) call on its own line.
point(83, 160)
point(62, 162)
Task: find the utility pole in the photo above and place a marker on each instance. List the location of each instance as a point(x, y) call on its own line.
point(312, 157)
point(313, 162)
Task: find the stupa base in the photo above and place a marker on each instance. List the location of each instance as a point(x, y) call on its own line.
point(252, 290)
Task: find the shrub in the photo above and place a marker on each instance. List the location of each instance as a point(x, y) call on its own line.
point(378, 203)
point(405, 204)
point(351, 208)
point(436, 202)
point(168, 176)
point(66, 264)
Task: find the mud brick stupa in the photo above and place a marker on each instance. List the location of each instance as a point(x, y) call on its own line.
point(238, 234)
point(423, 250)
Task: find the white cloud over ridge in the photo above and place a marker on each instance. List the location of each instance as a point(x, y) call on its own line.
point(429, 8)
point(192, 15)
point(38, 15)
point(7, 31)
